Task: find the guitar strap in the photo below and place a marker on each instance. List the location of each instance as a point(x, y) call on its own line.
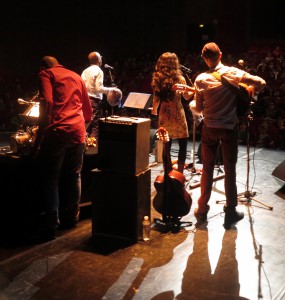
point(225, 82)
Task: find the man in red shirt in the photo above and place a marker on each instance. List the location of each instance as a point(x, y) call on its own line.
point(65, 109)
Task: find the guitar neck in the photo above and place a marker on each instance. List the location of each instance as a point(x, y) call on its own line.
point(167, 164)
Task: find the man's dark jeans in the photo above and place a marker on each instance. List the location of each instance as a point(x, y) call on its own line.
point(212, 138)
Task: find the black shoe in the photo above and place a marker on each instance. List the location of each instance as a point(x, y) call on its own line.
point(68, 221)
point(232, 216)
point(63, 226)
point(46, 235)
point(201, 216)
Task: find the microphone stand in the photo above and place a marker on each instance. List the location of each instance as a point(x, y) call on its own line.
point(111, 78)
point(113, 85)
point(193, 169)
point(247, 197)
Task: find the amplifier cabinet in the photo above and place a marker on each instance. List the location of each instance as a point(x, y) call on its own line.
point(120, 202)
point(124, 144)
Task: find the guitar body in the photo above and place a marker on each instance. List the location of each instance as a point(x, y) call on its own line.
point(172, 201)
point(158, 198)
point(244, 96)
point(179, 200)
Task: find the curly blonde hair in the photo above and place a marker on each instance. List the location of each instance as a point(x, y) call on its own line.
point(167, 73)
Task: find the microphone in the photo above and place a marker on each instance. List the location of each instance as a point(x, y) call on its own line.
point(108, 67)
point(185, 69)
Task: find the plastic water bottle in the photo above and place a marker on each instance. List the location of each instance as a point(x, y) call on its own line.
point(146, 229)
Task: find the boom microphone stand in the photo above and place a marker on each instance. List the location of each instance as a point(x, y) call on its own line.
point(247, 197)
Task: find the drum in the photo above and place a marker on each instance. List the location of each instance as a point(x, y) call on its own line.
point(114, 97)
point(22, 141)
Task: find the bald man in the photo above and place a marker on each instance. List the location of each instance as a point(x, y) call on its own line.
point(93, 77)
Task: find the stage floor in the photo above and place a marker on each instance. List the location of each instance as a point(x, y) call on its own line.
point(196, 262)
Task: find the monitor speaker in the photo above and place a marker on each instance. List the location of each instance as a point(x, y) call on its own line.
point(119, 205)
point(123, 144)
point(279, 173)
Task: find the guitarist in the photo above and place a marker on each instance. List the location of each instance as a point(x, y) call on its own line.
point(167, 104)
point(217, 103)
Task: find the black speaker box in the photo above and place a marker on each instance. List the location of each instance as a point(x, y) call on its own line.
point(123, 144)
point(119, 205)
point(279, 173)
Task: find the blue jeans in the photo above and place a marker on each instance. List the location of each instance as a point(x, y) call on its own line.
point(93, 128)
point(211, 139)
point(61, 163)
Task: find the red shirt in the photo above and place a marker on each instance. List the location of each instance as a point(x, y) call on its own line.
point(68, 103)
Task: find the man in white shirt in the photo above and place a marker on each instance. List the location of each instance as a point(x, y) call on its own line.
point(93, 77)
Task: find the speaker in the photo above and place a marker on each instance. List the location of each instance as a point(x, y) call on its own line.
point(119, 205)
point(138, 100)
point(123, 144)
point(279, 173)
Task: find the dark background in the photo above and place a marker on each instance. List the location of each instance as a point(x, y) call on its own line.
point(70, 30)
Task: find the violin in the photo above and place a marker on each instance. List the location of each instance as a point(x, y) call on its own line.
point(172, 201)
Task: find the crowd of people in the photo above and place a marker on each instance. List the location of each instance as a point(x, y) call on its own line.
point(266, 123)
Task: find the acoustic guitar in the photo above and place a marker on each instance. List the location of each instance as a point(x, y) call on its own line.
point(172, 201)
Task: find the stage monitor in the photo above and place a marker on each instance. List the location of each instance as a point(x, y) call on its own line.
point(138, 100)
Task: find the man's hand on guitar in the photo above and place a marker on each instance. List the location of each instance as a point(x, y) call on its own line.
point(249, 89)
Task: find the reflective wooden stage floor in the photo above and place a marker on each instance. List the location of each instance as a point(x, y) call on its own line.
point(197, 262)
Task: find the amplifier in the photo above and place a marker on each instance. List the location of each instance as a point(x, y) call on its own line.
point(123, 144)
point(119, 204)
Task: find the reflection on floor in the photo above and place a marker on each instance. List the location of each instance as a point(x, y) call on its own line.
point(197, 262)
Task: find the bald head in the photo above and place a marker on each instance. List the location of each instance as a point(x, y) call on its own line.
point(49, 62)
point(95, 58)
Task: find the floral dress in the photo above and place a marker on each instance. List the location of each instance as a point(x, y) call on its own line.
point(172, 116)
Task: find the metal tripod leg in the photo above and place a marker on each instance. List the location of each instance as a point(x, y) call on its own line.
point(247, 197)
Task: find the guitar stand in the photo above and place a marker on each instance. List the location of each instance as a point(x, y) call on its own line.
point(171, 224)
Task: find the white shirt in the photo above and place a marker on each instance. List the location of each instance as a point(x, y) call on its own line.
point(93, 77)
point(216, 101)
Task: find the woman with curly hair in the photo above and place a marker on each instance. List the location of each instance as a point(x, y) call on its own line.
point(167, 103)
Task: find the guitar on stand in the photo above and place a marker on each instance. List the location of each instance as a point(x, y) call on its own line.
point(172, 201)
